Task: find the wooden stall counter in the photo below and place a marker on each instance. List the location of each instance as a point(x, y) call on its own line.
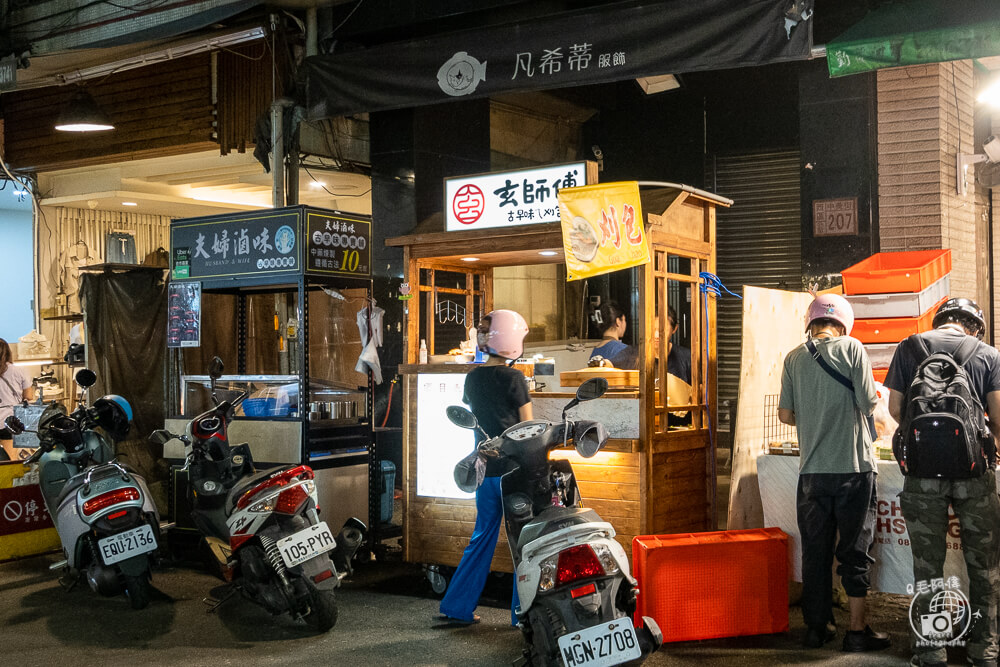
point(440, 517)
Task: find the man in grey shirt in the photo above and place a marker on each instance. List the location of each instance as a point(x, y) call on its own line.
point(827, 393)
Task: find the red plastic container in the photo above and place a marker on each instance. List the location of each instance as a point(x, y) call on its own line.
point(894, 329)
point(721, 584)
point(889, 272)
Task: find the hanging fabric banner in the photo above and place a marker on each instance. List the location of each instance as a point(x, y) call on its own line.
point(602, 228)
point(613, 42)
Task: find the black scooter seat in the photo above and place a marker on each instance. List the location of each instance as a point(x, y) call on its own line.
point(555, 518)
point(76, 481)
point(245, 485)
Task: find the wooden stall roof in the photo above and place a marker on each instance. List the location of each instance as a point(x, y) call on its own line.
point(506, 246)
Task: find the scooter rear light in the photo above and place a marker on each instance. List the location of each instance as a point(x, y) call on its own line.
point(583, 590)
point(109, 498)
point(289, 502)
point(117, 515)
point(277, 480)
point(323, 576)
point(607, 559)
point(575, 563)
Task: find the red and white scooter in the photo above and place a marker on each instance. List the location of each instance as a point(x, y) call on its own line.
point(263, 527)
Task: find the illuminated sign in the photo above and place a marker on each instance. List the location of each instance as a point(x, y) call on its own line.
point(510, 198)
point(440, 444)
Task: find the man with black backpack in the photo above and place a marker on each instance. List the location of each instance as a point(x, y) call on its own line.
point(828, 394)
point(940, 383)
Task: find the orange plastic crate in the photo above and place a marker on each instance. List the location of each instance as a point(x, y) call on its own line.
point(888, 272)
point(894, 329)
point(880, 374)
point(705, 585)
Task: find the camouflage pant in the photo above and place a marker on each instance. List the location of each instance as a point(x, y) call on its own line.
point(925, 507)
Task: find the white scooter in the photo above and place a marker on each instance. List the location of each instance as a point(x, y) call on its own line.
point(102, 509)
point(577, 596)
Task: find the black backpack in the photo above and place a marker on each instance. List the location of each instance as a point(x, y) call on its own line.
point(943, 431)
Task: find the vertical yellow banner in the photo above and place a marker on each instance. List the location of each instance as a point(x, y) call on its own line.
point(602, 228)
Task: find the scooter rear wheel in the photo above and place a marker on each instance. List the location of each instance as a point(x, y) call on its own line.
point(322, 610)
point(137, 590)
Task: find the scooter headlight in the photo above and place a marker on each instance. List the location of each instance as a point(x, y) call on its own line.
point(547, 576)
point(607, 559)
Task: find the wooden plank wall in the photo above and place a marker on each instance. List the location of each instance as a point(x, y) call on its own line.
point(773, 324)
point(679, 485)
point(161, 109)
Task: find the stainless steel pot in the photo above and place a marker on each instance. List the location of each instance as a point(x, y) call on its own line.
point(342, 409)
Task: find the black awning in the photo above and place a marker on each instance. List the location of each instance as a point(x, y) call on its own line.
point(915, 32)
point(599, 45)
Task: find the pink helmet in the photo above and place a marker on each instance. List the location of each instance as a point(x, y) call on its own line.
point(832, 307)
point(506, 335)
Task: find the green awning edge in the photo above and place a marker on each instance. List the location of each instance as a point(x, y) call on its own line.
point(933, 46)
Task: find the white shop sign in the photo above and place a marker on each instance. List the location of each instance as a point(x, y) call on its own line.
point(440, 444)
point(893, 568)
point(510, 198)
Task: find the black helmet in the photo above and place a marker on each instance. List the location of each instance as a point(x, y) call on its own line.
point(113, 414)
point(962, 311)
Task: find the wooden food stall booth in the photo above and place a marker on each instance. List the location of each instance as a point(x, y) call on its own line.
point(280, 296)
point(653, 476)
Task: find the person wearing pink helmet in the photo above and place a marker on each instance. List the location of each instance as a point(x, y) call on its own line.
point(828, 393)
point(498, 396)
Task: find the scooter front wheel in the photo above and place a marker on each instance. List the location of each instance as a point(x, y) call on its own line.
point(322, 610)
point(137, 590)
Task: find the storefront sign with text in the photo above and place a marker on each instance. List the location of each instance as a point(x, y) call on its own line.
point(509, 199)
point(602, 229)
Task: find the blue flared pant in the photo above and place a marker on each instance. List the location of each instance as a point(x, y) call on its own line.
point(469, 579)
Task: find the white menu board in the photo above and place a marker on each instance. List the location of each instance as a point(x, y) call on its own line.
point(440, 444)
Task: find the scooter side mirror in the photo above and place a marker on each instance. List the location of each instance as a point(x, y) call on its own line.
point(160, 436)
point(591, 389)
point(215, 368)
point(86, 378)
point(15, 425)
point(589, 437)
point(461, 417)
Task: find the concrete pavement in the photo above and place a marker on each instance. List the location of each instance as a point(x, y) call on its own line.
point(387, 617)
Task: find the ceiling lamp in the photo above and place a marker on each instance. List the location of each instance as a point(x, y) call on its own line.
point(82, 114)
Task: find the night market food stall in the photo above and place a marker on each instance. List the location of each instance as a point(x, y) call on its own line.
point(284, 298)
point(652, 477)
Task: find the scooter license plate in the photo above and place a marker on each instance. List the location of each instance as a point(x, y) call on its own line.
point(125, 545)
point(601, 645)
point(308, 543)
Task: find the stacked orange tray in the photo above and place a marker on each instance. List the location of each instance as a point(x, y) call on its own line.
point(895, 295)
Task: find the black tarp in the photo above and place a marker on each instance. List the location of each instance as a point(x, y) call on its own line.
point(126, 333)
point(608, 43)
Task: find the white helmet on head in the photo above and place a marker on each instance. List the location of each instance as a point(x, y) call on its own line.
point(505, 336)
point(831, 307)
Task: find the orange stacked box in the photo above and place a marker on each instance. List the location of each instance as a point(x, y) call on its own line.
point(894, 295)
point(722, 584)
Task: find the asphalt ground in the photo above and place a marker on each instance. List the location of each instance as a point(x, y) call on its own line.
point(387, 616)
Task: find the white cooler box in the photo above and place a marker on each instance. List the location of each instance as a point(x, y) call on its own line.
point(899, 304)
point(881, 354)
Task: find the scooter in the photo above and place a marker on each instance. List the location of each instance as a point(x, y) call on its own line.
point(263, 528)
point(577, 598)
point(102, 510)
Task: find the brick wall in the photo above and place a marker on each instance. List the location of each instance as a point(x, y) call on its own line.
point(925, 117)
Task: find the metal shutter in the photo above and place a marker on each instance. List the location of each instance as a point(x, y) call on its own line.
point(759, 242)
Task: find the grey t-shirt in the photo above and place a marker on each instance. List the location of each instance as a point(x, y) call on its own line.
point(828, 417)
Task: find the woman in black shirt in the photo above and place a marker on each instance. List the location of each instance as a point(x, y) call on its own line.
point(498, 396)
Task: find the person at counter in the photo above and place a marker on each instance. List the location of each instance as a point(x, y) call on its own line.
point(15, 386)
point(612, 318)
point(498, 396)
point(827, 390)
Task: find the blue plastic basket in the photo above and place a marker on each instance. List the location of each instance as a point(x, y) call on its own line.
point(263, 407)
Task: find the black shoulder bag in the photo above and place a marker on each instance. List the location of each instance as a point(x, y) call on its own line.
point(839, 377)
